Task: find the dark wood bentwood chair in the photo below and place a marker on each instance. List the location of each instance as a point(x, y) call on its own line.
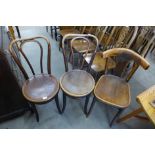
point(76, 82)
point(40, 88)
point(114, 90)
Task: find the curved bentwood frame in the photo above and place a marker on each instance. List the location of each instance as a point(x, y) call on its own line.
point(20, 43)
point(129, 55)
point(73, 38)
point(76, 37)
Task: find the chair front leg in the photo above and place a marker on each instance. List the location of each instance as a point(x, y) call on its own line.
point(86, 111)
point(57, 104)
point(35, 111)
point(51, 31)
point(116, 116)
point(64, 102)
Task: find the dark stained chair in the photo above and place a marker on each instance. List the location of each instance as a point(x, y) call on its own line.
point(76, 82)
point(39, 88)
point(114, 90)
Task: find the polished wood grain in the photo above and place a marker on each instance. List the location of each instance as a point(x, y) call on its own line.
point(40, 88)
point(77, 83)
point(113, 91)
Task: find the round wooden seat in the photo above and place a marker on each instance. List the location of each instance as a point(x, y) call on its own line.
point(82, 46)
point(77, 83)
point(99, 63)
point(40, 88)
point(113, 90)
point(68, 31)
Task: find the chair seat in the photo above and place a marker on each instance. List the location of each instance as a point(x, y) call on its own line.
point(77, 83)
point(82, 46)
point(113, 90)
point(40, 88)
point(98, 64)
point(68, 31)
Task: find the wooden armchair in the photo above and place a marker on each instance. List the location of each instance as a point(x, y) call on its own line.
point(114, 90)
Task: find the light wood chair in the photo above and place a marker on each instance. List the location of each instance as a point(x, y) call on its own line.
point(39, 88)
point(76, 82)
point(114, 90)
point(144, 99)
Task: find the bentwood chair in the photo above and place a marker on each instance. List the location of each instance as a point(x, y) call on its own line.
point(80, 45)
point(114, 90)
point(39, 88)
point(77, 83)
point(70, 30)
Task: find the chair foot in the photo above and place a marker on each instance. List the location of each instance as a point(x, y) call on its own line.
point(57, 104)
point(86, 111)
point(64, 103)
point(116, 116)
point(35, 111)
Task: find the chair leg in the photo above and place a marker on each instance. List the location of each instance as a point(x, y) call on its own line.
point(64, 103)
point(51, 31)
point(31, 108)
point(116, 116)
point(87, 112)
point(86, 104)
point(131, 114)
point(35, 111)
point(57, 104)
point(55, 28)
point(60, 42)
point(46, 28)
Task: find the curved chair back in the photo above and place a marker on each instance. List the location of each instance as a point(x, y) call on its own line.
point(132, 36)
point(129, 57)
point(21, 43)
point(74, 37)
